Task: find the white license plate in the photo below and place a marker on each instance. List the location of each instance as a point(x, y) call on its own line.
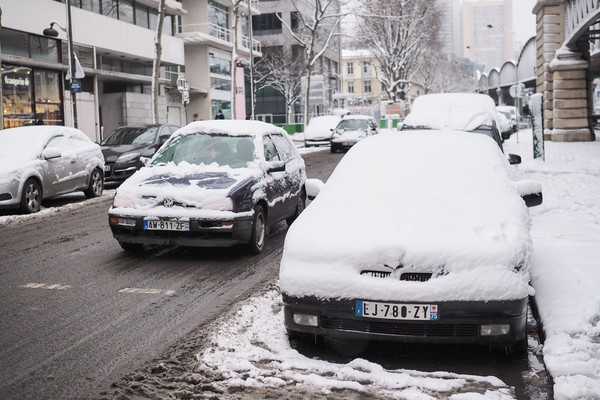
point(166, 225)
point(107, 168)
point(412, 312)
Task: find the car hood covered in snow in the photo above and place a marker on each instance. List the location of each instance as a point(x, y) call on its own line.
point(422, 201)
point(193, 188)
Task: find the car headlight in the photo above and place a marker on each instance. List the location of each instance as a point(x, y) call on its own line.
point(222, 204)
point(128, 157)
point(122, 201)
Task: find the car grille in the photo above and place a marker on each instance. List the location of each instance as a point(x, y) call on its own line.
point(400, 328)
point(415, 276)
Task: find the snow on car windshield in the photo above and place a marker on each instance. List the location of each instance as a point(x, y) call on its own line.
point(352, 124)
point(131, 135)
point(432, 199)
point(204, 148)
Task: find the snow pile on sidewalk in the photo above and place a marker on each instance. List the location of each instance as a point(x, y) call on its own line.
point(252, 351)
point(566, 261)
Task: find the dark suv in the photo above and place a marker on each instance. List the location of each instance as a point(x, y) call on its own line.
point(124, 147)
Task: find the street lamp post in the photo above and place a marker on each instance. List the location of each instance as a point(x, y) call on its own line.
point(75, 85)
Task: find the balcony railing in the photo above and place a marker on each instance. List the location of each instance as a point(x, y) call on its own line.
point(213, 30)
point(256, 45)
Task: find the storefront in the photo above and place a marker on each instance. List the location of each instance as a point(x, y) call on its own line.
point(31, 96)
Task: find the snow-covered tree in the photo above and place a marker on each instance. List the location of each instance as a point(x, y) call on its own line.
point(317, 25)
point(281, 71)
point(398, 33)
point(162, 9)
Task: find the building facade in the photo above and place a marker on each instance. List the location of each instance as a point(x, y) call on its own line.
point(275, 36)
point(114, 43)
point(488, 32)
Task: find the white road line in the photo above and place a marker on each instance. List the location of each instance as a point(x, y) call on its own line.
point(49, 286)
point(147, 291)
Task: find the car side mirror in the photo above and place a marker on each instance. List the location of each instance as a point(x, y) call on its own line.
point(514, 159)
point(530, 191)
point(51, 152)
point(276, 166)
point(313, 187)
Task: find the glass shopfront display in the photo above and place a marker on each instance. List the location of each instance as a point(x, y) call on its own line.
point(31, 96)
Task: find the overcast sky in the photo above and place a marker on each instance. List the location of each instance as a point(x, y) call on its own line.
point(523, 19)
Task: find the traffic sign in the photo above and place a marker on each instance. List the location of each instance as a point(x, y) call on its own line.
point(75, 86)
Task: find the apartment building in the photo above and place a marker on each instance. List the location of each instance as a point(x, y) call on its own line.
point(218, 49)
point(114, 43)
point(361, 90)
point(274, 36)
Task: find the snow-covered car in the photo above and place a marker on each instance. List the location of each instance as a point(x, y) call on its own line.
point(318, 131)
point(43, 161)
point(212, 184)
point(510, 113)
point(351, 129)
point(470, 112)
point(415, 237)
point(124, 148)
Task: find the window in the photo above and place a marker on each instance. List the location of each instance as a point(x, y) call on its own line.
point(295, 19)
point(109, 8)
point(126, 11)
point(141, 15)
point(218, 65)
point(366, 67)
point(350, 68)
point(350, 87)
point(91, 5)
point(218, 15)
point(270, 150)
point(266, 24)
point(367, 87)
point(23, 44)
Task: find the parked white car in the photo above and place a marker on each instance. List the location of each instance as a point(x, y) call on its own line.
point(351, 129)
point(319, 129)
point(419, 236)
point(43, 161)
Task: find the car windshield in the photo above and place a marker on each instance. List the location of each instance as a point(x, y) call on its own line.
point(131, 135)
point(352, 124)
point(204, 148)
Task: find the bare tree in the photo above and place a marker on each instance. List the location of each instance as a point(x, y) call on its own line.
point(317, 26)
point(162, 9)
point(397, 32)
point(279, 70)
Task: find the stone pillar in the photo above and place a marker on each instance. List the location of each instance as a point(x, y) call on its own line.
point(550, 34)
point(561, 77)
point(571, 121)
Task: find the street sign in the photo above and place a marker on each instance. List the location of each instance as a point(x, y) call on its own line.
point(516, 90)
point(79, 74)
point(75, 86)
point(184, 88)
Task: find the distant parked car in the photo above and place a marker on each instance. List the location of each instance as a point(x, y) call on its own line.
point(318, 130)
point(124, 147)
point(469, 112)
point(39, 162)
point(510, 113)
point(213, 184)
point(417, 237)
point(351, 129)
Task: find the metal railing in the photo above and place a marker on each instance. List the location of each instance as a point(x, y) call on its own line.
point(256, 45)
point(213, 30)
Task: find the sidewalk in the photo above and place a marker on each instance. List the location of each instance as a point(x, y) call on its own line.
point(566, 261)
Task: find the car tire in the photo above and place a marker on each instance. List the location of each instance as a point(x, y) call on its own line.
point(131, 247)
point(259, 231)
point(96, 185)
point(333, 148)
point(31, 198)
point(300, 206)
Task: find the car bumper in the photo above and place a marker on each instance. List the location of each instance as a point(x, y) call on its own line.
point(343, 144)
point(118, 173)
point(459, 322)
point(202, 233)
point(316, 142)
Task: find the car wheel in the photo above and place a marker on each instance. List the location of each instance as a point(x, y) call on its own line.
point(31, 198)
point(333, 148)
point(96, 185)
point(259, 231)
point(299, 208)
point(132, 247)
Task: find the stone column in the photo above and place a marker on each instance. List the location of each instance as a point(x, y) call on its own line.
point(570, 103)
point(550, 34)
